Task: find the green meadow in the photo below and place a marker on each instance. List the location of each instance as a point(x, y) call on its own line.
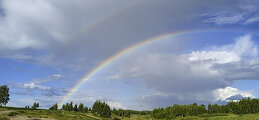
point(11, 113)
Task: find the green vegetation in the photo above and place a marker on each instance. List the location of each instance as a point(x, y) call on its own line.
point(35, 106)
point(12, 114)
point(245, 109)
point(4, 95)
point(179, 110)
point(54, 107)
point(70, 107)
point(24, 114)
point(102, 109)
point(122, 113)
point(21, 113)
point(244, 106)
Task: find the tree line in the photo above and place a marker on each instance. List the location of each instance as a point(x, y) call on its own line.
point(244, 106)
point(99, 108)
point(71, 107)
point(122, 113)
point(34, 106)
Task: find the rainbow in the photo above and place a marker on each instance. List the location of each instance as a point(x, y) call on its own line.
point(118, 55)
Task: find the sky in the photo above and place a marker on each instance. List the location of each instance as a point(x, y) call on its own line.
point(210, 54)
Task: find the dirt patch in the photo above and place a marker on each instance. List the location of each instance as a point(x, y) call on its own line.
point(6, 111)
point(18, 117)
point(27, 118)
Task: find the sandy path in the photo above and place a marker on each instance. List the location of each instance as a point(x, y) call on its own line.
point(5, 111)
point(27, 118)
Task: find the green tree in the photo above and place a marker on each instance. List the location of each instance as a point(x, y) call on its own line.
point(70, 106)
point(234, 107)
point(101, 109)
point(75, 107)
point(81, 107)
point(4, 95)
point(159, 113)
point(54, 107)
point(27, 107)
point(63, 107)
point(35, 105)
point(86, 109)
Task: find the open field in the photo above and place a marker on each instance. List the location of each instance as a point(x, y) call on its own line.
point(10, 113)
point(25, 114)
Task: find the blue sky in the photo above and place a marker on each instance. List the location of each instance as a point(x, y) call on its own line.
point(47, 46)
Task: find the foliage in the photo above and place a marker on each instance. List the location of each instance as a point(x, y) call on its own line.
point(27, 107)
point(68, 115)
point(54, 107)
point(35, 106)
point(4, 95)
point(76, 108)
point(12, 114)
point(122, 113)
point(81, 107)
point(244, 106)
point(86, 109)
point(102, 109)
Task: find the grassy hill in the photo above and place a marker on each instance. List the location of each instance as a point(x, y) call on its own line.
point(11, 113)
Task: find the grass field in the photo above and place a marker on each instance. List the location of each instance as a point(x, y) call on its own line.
point(9, 113)
point(25, 114)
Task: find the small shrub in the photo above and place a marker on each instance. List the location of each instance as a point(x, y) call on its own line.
point(12, 113)
point(21, 111)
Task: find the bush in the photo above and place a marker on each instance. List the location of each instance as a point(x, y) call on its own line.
point(12, 114)
point(21, 111)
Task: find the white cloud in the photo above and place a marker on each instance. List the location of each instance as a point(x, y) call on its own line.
point(224, 19)
point(34, 86)
point(238, 13)
point(45, 102)
point(116, 105)
point(215, 56)
point(224, 93)
point(245, 47)
point(28, 27)
point(50, 78)
point(252, 20)
point(186, 77)
point(242, 48)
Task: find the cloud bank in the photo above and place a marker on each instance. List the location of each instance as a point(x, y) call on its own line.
point(202, 76)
